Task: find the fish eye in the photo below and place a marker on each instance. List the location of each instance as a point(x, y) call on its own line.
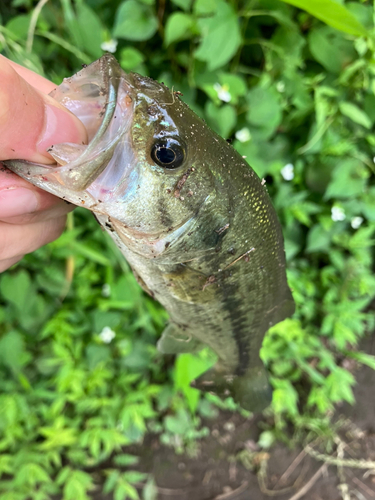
point(168, 153)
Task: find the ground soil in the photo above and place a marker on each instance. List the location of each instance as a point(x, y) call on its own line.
point(229, 465)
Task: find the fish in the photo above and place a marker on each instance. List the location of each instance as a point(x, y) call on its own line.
point(191, 217)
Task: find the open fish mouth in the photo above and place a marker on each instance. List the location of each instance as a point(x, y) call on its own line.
point(101, 97)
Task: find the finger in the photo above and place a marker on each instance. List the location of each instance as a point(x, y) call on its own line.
point(31, 122)
point(7, 263)
point(19, 240)
point(37, 81)
point(21, 202)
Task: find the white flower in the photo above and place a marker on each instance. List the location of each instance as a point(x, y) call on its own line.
point(106, 290)
point(356, 222)
point(222, 92)
point(280, 86)
point(338, 214)
point(243, 135)
point(107, 335)
point(288, 172)
point(109, 46)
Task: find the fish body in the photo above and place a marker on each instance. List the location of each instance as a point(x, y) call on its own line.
point(191, 217)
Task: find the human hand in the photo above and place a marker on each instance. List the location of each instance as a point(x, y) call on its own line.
point(30, 122)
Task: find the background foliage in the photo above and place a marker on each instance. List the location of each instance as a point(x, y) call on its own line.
point(295, 89)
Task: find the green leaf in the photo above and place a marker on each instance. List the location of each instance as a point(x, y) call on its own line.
point(77, 485)
point(348, 179)
point(12, 350)
point(362, 357)
point(204, 7)
point(333, 14)
point(355, 114)
point(318, 239)
point(178, 27)
point(150, 490)
point(19, 25)
point(183, 4)
point(15, 288)
point(331, 49)
point(221, 37)
point(188, 367)
point(222, 119)
point(234, 84)
point(90, 30)
point(31, 474)
point(125, 460)
point(135, 21)
point(178, 424)
point(264, 109)
point(130, 58)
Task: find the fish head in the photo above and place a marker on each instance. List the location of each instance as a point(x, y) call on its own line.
point(144, 149)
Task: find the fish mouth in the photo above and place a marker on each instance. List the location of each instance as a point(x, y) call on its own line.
point(100, 95)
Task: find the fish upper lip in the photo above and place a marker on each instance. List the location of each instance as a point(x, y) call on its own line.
point(110, 109)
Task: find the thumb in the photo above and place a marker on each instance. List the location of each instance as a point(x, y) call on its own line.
point(30, 121)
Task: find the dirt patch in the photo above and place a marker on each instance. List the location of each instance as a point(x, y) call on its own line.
point(220, 472)
point(230, 466)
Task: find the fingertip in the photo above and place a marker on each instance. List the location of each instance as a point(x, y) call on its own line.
point(31, 122)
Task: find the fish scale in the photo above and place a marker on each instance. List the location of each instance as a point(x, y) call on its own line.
point(191, 217)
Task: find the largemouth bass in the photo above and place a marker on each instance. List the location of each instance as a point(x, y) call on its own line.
point(192, 219)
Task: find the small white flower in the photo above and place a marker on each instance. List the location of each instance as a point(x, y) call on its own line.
point(243, 135)
point(106, 290)
point(222, 92)
point(107, 335)
point(337, 214)
point(288, 172)
point(373, 159)
point(356, 222)
point(109, 46)
point(280, 86)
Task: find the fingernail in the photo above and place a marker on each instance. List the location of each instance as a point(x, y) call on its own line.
point(60, 126)
point(17, 201)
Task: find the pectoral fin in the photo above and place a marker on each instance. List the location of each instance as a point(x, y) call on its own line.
point(175, 341)
point(252, 390)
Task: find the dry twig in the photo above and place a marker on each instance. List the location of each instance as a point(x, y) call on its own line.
point(309, 483)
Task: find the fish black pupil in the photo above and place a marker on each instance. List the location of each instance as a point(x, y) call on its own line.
point(165, 155)
point(168, 153)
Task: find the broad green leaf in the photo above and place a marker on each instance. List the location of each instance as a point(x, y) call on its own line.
point(178, 424)
point(135, 21)
point(19, 25)
point(90, 29)
point(183, 4)
point(12, 350)
point(222, 120)
point(189, 367)
point(130, 58)
point(331, 49)
point(363, 13)
point(333, 14)
point(221, 37)
point(204, 7)
point(348, 179)
point(264, 109)
point(355, 114)
point(125, 460)
point(234, 84)
point(16, 288)
point(178, 27)
point(318, 239)
point(362, 357)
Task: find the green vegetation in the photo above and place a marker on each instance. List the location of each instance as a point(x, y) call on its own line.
point(79, 372)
